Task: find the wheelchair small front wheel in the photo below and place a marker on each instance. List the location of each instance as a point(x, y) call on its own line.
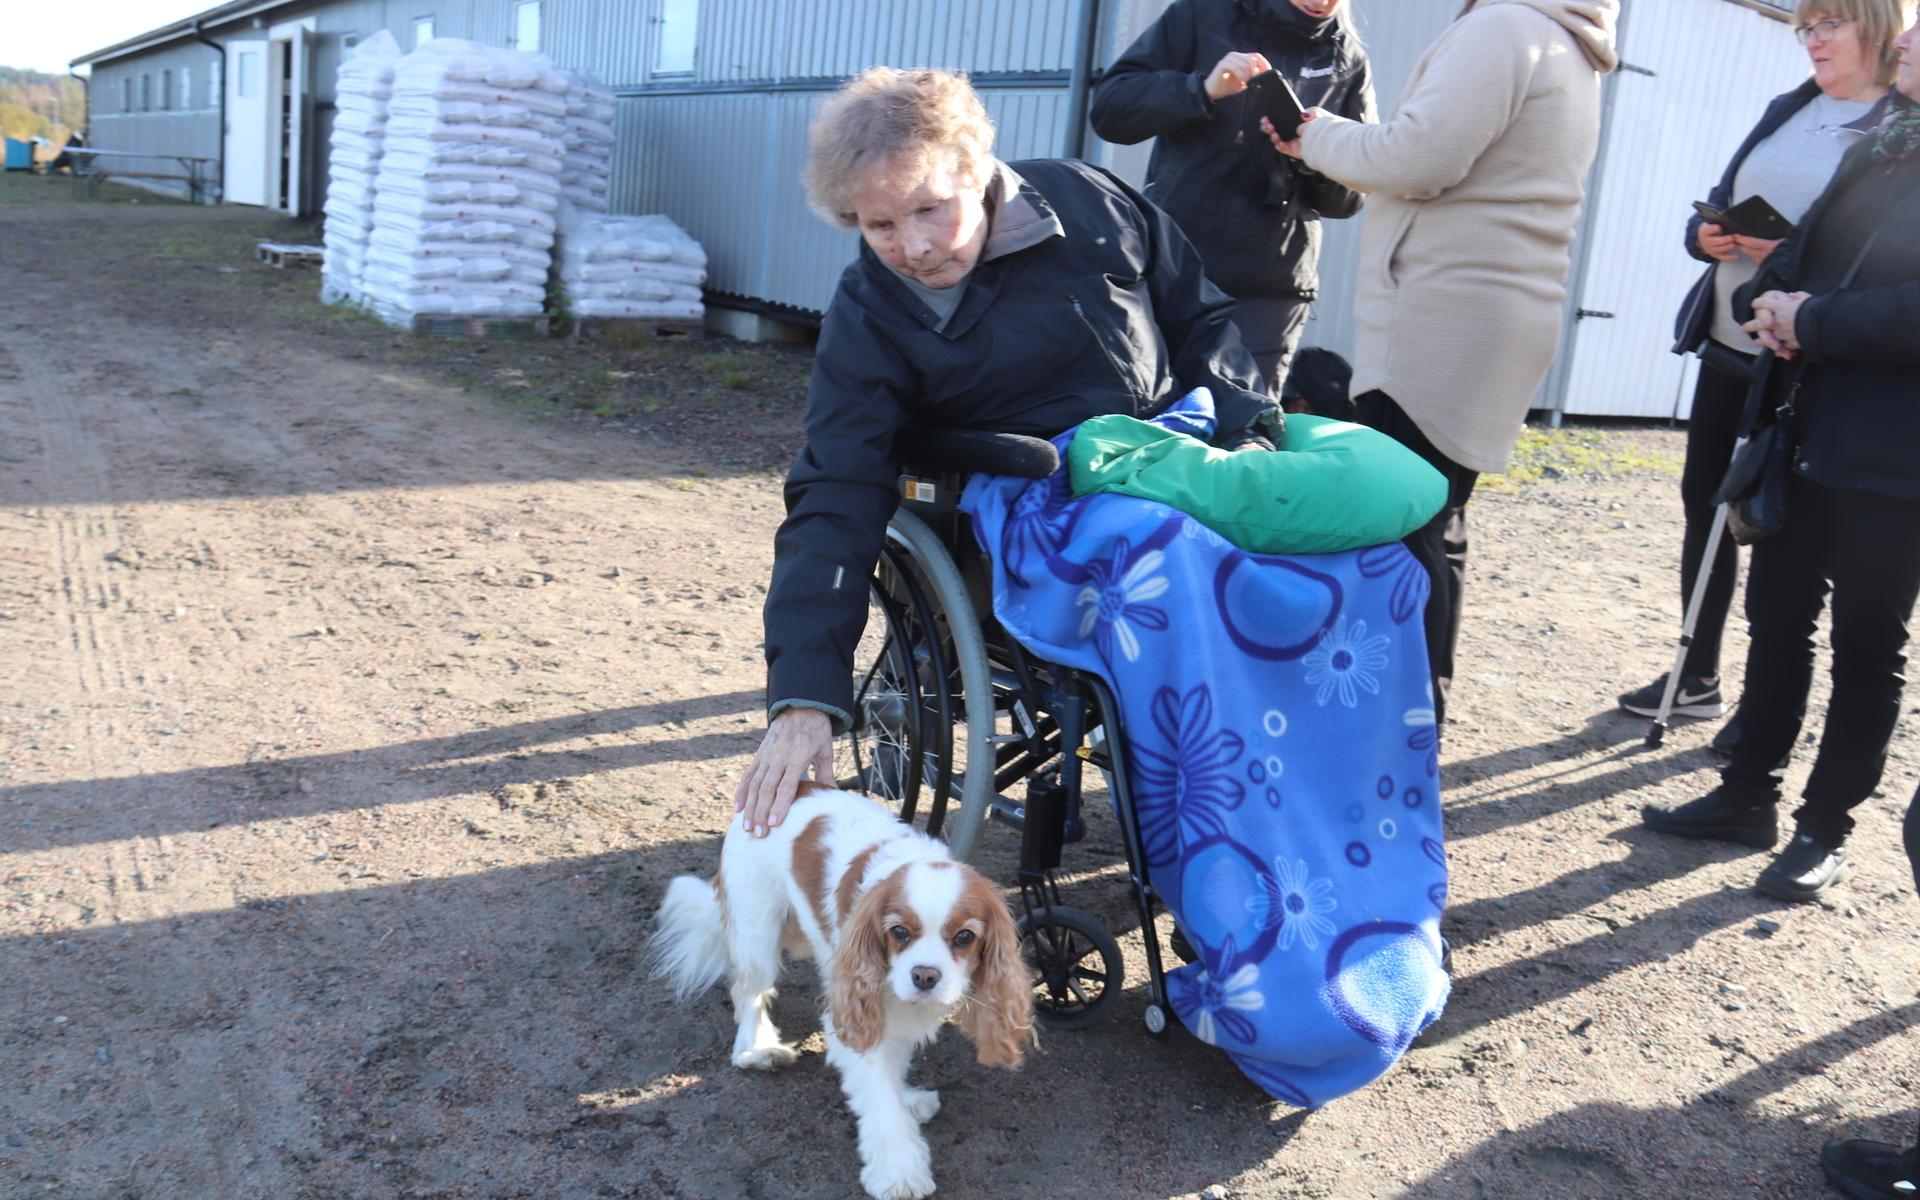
point(1076, 963)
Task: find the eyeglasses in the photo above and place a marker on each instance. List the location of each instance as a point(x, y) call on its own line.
point(1820, 31)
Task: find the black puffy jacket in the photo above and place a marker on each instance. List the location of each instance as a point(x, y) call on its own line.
point(1252, 212)
point(1111, 314)
point(1858, 408)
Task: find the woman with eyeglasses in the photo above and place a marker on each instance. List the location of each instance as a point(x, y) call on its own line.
point(1787, 160)
point(1838, 303)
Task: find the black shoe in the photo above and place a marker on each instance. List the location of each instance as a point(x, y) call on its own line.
point(1871, 1170)
point(1694, 698)
point(1803, 870)
point(1728, 737)
point(1721, 815)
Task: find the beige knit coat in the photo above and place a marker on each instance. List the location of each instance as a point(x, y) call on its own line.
point(1476, 183)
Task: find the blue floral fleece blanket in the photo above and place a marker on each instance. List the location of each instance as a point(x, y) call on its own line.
point(1281, 738)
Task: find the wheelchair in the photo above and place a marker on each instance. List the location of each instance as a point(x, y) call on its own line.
point(950, 711)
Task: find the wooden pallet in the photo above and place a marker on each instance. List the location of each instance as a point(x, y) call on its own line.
point(492, 329)
point(286, 254)
point(597, 328)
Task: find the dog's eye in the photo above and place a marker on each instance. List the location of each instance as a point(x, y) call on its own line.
point(963, 939)
point(901, 934)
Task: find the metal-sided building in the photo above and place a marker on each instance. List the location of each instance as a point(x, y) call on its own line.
point(714, 98)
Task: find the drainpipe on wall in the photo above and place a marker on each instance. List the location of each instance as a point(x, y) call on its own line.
point(220, 157)
point(86, 102)
point(1074, 140)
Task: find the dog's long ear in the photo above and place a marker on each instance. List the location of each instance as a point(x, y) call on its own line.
point(856, 988)
point(998, 1011)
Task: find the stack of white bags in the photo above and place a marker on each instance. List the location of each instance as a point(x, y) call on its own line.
point(455, 168)
point(640, 267)
point(586, 172)
point(365, 83)
point(464, 211)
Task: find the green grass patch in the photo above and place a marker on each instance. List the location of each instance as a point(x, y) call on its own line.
point(1586, 452)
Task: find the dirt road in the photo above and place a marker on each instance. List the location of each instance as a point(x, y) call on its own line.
point(357, 710)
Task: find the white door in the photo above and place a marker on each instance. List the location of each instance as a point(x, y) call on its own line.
point(290, 52)
point(247, 123)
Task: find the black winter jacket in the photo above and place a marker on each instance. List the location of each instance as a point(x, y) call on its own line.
point(1112, 315)
point(1694, 322)
point(1858, 408)
point(1252, 212)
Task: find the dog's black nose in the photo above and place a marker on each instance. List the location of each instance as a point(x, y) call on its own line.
point(925, 977)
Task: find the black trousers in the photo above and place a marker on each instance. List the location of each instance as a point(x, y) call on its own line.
point(1270, 328)
point(1440, 544)
point(1865, 549)
point(1711, 432)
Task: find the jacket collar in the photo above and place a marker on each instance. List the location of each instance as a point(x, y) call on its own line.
point(1289, 20)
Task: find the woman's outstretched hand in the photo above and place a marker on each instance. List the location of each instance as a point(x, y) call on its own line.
point(1291, 148)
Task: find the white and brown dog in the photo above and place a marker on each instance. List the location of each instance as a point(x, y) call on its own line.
point(904, 934)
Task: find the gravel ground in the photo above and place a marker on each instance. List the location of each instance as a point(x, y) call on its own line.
point(368, 690)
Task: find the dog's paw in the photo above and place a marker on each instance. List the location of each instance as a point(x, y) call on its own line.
point(764, 1058)
point(904, 1179)
point(922, 1103)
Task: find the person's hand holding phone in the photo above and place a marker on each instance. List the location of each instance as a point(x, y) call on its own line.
point(1716, 243)
point(1755, 248)
point(1229, 76)
point(1291, 148)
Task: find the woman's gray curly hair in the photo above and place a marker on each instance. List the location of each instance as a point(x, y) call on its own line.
point(885, 115)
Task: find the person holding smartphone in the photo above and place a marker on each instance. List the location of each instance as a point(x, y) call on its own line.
point(1475, 184)
point(1787, 160)
point(1253, 215)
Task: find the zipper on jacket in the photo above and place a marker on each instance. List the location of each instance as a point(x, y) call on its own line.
point(1127, 381)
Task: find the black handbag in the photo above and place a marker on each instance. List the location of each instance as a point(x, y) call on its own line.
point(1754, 489)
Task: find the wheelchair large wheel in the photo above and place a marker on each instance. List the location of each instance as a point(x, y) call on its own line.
point(922, 733)
point(1076, 963)
point(885, 752)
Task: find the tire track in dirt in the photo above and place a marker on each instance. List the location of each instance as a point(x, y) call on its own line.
point(81, 540)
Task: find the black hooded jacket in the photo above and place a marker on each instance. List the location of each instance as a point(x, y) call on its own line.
point(1102, 307)
point(1253, 213)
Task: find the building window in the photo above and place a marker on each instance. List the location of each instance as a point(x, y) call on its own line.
point(673, 45)
point(166, 90)
point(186, 87)
point(246, 80)
point(526, 26)
point(422, 31)
point(126, 94)
point(146, 93)
point(215, 74)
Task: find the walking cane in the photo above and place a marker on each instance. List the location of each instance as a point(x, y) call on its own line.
point(1657, 732)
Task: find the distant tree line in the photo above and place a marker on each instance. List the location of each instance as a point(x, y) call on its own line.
point(35, 104)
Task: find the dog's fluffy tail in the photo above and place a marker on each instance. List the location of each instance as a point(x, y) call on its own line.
point(690, 945)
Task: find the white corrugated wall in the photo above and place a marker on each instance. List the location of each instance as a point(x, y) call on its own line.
point(1713, 68)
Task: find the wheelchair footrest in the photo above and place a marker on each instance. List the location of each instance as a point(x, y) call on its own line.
point(1014, 813)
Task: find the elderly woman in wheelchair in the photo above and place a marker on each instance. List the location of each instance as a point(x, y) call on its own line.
point(993, 309)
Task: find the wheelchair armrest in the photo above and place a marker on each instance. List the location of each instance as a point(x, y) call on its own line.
point(929, 450)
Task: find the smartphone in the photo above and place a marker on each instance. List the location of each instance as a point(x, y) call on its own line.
point(1711, 215)
point(1274, 99)
point(1752, 217)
